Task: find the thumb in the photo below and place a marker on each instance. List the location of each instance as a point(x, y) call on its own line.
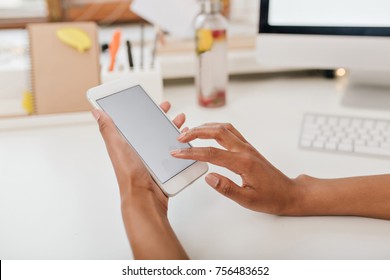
point(225, 186)
point(111, 136)
point(121, 153)
point(107, 127)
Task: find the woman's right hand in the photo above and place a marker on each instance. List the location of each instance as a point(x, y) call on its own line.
point(264, 188)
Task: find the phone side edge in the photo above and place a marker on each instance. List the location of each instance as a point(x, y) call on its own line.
point(184, 179)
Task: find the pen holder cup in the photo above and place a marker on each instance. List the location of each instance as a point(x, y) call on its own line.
point(149, 78)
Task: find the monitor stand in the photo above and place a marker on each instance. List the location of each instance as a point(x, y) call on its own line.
point(367, 90)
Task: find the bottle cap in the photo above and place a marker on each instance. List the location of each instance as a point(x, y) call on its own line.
point(211, 6)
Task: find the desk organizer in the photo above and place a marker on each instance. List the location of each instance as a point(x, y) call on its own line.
point(149, 78)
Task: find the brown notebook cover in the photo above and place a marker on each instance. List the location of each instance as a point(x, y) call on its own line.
point(60, 74)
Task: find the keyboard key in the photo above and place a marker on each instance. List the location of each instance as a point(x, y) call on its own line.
point(381, 125)
point(346, 142)
point(321, 138)
point(328, 134)
point(375, 132)
point(330, 146)
point(353, 136)
point(385, 145)
point(386, 133)
point(344, 122)
point(372, 150)
point(359, 142)
point(369, 124)
point(356, 123)
point(345, 147)
point(321, 120)
point(378, 138)
point(318, 144)
point(340, 135)
point(372, 144)
point(362, 130)
point(333, 121)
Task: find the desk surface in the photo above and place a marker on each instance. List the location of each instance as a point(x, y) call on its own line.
point(59, 197)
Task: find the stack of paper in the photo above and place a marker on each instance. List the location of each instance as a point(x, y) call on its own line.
point(174, 16)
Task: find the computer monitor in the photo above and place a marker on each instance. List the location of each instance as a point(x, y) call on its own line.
point(330, 34)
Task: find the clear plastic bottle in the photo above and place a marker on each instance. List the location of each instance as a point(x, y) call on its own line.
point(211, 48)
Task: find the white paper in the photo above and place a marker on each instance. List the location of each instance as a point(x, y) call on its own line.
point(175, 16)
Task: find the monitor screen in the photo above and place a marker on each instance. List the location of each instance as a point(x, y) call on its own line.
point(352, 13)
point(332, 17)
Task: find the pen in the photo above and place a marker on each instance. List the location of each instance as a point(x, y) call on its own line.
point(104, 47)
point(142, 45)
point(114, 46)
point(129, 54)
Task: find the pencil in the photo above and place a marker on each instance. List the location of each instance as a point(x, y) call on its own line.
point(154, 51)
point(142, 45)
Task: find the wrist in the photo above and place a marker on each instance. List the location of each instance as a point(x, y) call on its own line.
point(134, 191)
point(300, 196)
point(143, 198)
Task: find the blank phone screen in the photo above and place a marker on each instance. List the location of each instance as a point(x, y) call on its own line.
point(147, 129)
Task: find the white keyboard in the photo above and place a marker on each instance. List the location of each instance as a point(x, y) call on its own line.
point(346, 134)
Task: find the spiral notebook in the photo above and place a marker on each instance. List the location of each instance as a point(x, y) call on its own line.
point(61, 75)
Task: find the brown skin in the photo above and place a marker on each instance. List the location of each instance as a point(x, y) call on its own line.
point(144, 206)
point(264, 188)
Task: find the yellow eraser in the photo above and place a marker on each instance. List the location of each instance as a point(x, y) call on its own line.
point(75, 37)
point(28, 102)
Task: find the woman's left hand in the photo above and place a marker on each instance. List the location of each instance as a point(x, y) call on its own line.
point(143, 203)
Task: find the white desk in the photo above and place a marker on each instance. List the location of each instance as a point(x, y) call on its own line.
point(59, 197)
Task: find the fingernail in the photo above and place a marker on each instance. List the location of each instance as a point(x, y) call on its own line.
point(212, 180)
point(181, 136)
point(185, 130)
point(175, 152)
point(96, 114)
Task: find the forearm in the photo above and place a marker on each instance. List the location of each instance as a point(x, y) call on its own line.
point(149, 232)
point(367, 196)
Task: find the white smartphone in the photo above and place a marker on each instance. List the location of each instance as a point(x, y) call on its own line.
point(149, 131)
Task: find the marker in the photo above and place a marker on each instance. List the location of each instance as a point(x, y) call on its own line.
point(129, 54)
point(114, 46)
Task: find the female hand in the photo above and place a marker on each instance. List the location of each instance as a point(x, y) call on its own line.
point(144, 205)
point(132, 175)
point(264, 188)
